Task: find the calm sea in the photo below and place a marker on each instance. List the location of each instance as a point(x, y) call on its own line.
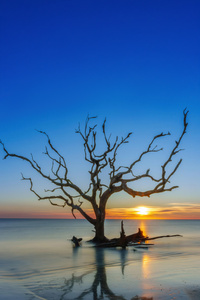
point(38, 261)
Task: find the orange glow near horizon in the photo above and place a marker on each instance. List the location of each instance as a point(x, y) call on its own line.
point(142, 210)
point(171, 211)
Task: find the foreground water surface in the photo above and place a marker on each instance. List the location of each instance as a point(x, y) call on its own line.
point(38, 261)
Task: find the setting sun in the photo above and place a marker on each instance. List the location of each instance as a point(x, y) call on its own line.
point(142, 210)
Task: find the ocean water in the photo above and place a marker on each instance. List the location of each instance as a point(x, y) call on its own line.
point(38, 261)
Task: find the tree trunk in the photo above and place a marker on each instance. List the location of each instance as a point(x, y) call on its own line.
point(99, 232)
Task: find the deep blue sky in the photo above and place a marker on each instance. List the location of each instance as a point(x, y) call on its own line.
point(135, 62)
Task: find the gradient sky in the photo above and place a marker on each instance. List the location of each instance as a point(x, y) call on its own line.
point(135, 62)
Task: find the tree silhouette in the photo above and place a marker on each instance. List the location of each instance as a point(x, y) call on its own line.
point(99, 192)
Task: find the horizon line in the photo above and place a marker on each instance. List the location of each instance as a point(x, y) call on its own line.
point(105, 219)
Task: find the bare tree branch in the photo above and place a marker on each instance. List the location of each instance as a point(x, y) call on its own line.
point(67, 193)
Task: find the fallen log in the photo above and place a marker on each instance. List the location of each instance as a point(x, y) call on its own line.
point(135, 239)
point(123, 240)
point(140, 244)
point(160, 237)
point(116, 242)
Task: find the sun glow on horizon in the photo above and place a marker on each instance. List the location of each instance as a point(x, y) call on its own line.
point(142, 210)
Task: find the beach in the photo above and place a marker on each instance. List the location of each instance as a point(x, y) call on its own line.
point(38, 261)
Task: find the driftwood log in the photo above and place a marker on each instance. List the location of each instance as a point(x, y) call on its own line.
point(76, 241)
point(131, 240)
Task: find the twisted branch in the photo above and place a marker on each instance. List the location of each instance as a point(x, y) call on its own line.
point(98, 192)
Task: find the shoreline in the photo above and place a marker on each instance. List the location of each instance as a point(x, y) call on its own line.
point(13, 289)
point(38, 262)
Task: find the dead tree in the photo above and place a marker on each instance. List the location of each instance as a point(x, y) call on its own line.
point(131, 240)
point(98, 192)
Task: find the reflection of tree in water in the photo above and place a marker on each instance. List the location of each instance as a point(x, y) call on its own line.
point(98, 288)
point(69, 284)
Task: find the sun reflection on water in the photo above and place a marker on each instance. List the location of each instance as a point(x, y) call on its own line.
point(146, 265)
point(143, 227)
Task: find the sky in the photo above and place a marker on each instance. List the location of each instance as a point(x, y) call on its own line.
point(137, 63)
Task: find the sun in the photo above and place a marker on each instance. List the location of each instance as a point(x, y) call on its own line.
point(142, 210)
